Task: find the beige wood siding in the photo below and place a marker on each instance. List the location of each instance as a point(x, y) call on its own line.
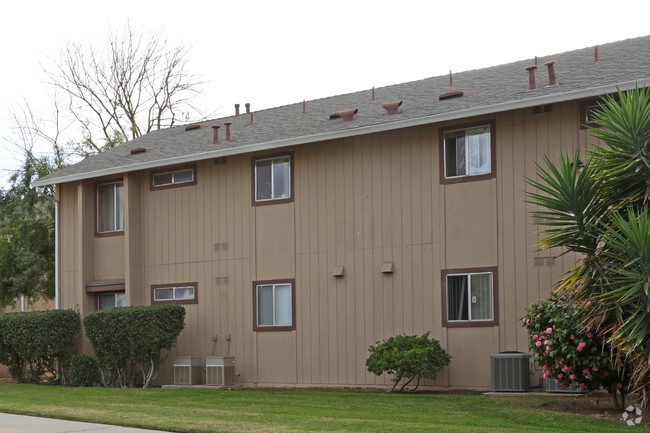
point(358, 203)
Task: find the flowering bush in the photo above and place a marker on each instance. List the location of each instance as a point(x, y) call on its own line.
point(566, 352)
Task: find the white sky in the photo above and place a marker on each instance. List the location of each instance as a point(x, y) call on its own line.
point(272, 53)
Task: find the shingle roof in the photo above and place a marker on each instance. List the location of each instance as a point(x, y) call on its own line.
point(489, 90)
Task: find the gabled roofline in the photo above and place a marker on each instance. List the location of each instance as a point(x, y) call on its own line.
point(381, 127)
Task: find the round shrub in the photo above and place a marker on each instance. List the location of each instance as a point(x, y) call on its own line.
point(84, 371)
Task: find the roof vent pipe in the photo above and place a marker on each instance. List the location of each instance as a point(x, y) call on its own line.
point(451, 80)
point(596, 58)
point(552, 78)
point(346, 115)
point(536, 61)
point(373, 93)
point(215, 134)
point(392, 107)
point(304, 107)
point(228, 130)
point(248, 107)
point(236, 109)
point(251, 116)
point(532, 84)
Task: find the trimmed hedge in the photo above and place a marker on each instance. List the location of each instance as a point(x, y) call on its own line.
point(128, 341)
point(32, 343)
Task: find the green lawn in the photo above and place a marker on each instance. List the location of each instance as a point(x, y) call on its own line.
point(298, 411)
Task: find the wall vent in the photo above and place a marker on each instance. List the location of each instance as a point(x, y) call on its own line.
point(220, 370)
point(221, 247)
point(221, 280)
point(510, 371)
point(543, 109)
point(188, 370)
point(544, 261)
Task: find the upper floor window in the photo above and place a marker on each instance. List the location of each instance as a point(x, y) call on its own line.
point(468, 153)
point(469, 297)
point(274, 305)
point(272, 179)
point(170, 178)
point(110, 208)
point(182, 293)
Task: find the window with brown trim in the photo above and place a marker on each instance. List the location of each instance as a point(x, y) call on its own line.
point(179, 293)
point(467, 152)
point(173, 177)
point(469, 297)
point(274, 305)
point(272, 179)
point(109, 208)
point(587, 111)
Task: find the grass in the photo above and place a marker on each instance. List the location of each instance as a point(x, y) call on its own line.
point(299, 411)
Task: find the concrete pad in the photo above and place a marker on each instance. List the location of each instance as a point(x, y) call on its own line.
point(10, 423)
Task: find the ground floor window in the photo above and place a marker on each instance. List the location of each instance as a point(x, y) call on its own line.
point(274, 305)
point(469, 297)
point(110, 300)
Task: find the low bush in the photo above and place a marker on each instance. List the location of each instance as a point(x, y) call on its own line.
point(128, 341)
point(36, 343)
point(407, 358)
point(84, 371)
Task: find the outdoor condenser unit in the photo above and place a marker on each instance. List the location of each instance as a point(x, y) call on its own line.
point(510, 371)
point(553, 386)
point(219, 370)
point(187, 370)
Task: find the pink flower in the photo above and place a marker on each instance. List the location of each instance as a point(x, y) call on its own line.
point(573, 337)
point(538, 343)
point(527, 321)
point(619, 385)
point(586, 370)
point(560, 376)
point(581, 386)
point(605, 373)
point(535, 337)
point(548, 347)
point(590, 335)
point(523, 320)
point(594, 368)
point(572, 376)
point(581, 346)
point(588, 303)
point(566, 385)
point(546, 376)
point(557, 380)
point(547, 342)
point(549, 330)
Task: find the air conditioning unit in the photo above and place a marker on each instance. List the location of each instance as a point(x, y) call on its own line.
point(553, 386)
point(187, 370)
point(220, 370)
point(510, 371)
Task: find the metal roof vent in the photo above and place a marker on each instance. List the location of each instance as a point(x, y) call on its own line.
point(392, 107)
point(596, 58)
point(193, 127)
point(451, 95)
point(228, 130)
point(532, 84)
point(140, 150)
point(552, 78)
point(346, 115)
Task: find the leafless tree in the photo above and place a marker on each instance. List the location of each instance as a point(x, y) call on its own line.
point(125, 89)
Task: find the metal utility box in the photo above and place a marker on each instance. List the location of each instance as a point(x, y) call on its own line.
point(187, 370)
point(553, 386)
point(510, 371)
point(220, 370)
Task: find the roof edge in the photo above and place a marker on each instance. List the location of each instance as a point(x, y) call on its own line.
point(380, 127)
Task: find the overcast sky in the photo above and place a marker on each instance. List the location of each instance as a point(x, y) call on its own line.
point(272, 53)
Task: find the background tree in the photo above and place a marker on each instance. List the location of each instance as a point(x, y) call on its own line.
point(125, 88)
point(600, 209)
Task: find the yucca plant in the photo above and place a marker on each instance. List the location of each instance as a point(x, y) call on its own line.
point(601, 210)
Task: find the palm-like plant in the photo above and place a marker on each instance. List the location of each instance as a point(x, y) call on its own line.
point(601, 210)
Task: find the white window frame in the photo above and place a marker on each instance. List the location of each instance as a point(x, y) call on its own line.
point(116, 228)
point(466, 130)
point(273, 159)
point(115, 295)
point(175, 290)
point(173, 173)
point(468, 288)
